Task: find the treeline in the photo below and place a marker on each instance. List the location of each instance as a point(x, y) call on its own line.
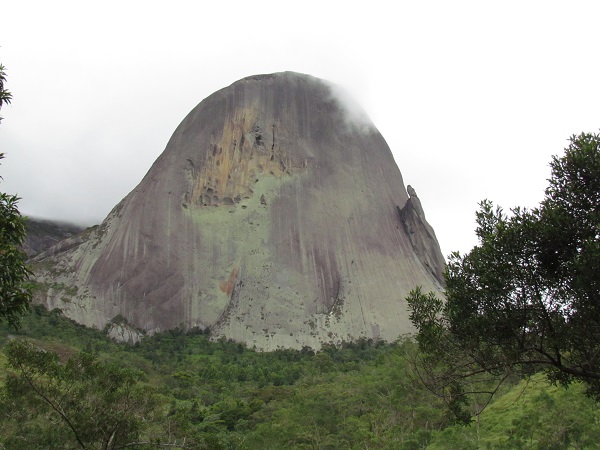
point(67, 386)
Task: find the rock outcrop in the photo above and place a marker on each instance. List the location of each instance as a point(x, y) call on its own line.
point(275, 216)
point(43, 234)
point(421, 235)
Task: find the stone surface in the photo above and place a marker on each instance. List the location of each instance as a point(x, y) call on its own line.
point(121, 332)
point(43, 234)
point(275, 216)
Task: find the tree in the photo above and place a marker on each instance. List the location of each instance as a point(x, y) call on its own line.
point(15, 293)
point(527, 297)
point(84, 402)
point(5, 95)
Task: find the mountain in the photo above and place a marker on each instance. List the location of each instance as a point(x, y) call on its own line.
point(275, 216)
point(43, 234)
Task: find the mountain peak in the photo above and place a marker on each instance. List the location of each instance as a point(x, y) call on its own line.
point(270, 218)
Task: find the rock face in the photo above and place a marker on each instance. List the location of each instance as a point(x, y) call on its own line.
point(43, 234)
point(275, 216)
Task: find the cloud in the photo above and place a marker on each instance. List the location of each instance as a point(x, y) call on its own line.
point(355, 117)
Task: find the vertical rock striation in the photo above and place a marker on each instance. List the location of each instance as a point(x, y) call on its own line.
point(275, 216)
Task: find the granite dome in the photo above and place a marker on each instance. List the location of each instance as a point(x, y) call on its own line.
point(273, 217)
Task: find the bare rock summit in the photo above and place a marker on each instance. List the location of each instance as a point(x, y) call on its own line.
point(276, 216)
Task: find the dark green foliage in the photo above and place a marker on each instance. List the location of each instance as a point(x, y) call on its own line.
point(91, 403)
point(221, 394)
point(5, 95)
point(214, 395)
point(528, 296)
point(15, 294)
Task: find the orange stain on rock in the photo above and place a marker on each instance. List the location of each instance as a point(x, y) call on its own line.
point(246, 150)
point(227, 286)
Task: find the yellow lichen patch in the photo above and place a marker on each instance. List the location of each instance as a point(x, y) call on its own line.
point(246, 150)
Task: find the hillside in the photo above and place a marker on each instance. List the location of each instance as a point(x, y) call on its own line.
point(364, 395)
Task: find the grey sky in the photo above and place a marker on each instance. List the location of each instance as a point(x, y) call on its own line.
point(472, 97)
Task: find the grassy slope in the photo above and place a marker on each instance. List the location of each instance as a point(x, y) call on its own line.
point(531, 415)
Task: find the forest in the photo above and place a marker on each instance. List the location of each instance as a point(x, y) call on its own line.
point(68, 386)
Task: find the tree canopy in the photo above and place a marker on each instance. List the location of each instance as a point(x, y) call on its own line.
point(205, 394)
point(15, 294)
point(527, 297)
point(90, 403)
